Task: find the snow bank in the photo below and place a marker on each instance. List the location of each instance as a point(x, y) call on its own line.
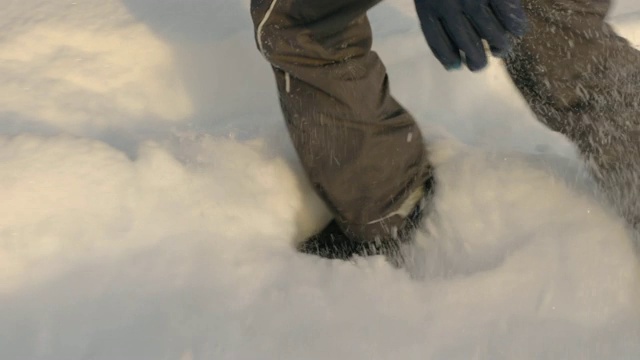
point(151, 200)
point(155, 257)
point(72, 200)
point(86, 67)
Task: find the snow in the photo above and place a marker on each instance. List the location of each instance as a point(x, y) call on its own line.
point(151, 199)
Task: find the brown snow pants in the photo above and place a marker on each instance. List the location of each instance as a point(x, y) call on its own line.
point(364, 153)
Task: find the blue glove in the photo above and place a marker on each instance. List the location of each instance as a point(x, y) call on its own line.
point(453, 27)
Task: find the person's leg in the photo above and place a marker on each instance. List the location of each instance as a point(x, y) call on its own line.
point(361, 150)
point(583, 81)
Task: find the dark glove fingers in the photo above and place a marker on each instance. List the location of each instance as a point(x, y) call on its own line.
point(511, 15)
point(440, 43)
point(488, 27)
point(453, 27)
point(467, 40)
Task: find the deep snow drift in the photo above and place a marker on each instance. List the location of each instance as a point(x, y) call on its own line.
point(151, 200)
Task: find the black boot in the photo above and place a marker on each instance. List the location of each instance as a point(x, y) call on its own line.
point(333, 243)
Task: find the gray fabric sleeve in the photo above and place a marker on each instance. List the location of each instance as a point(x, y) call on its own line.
point(583, 80)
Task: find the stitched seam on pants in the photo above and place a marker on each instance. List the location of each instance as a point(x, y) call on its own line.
point(287, 82)
point(261, 25)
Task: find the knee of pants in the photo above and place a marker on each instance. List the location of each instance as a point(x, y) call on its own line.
point(286, 38)
point(268, 34)
point(278, 35)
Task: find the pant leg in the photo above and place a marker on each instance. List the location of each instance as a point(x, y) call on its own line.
point(583, 81)
point(361, 150)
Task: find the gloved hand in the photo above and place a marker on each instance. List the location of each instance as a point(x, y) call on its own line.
point(453, 27)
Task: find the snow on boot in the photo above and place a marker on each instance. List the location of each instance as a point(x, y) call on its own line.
point(333, 243)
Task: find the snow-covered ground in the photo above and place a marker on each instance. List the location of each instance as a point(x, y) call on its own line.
point(150, 200)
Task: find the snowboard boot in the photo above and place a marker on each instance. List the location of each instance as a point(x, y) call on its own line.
point(333, 243)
